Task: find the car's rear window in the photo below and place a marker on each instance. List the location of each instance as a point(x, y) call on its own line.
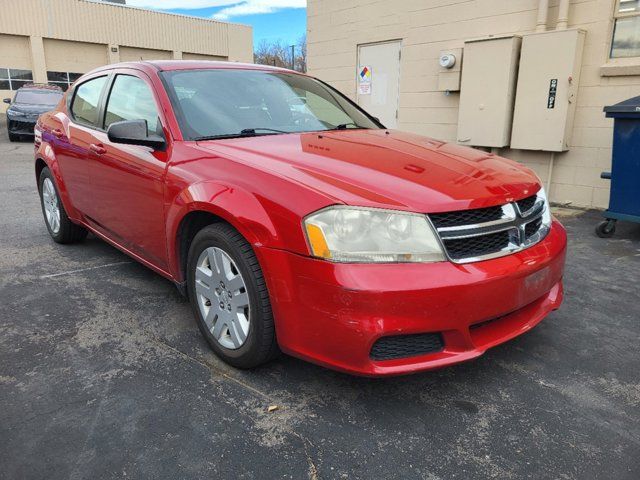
point(38, 97)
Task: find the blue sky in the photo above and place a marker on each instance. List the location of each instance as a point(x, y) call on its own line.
point(271, 19)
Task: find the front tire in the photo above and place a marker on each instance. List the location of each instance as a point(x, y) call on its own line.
point(13, 137)
point(61, 229)
point(229, 297)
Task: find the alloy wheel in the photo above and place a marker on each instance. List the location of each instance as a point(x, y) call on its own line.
point(51, 205)
point(222, 298)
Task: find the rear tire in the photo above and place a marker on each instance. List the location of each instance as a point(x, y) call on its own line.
point(229, 297)
point(61, 229)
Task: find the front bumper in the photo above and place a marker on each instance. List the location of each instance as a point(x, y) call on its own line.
point(21, 125)
point(332, 314)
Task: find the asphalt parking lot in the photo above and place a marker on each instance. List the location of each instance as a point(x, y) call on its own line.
point(103, 374)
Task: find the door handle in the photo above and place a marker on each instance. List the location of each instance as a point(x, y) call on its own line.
point(56, 132)
point(98, 148)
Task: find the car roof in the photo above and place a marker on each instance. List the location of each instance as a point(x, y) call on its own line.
point(170, 65)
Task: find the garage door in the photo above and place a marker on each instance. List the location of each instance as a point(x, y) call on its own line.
point(199, 56)
point(66, 60)
point(80, 57)
point(379, 80)
point(15, 61)
point(130, 54)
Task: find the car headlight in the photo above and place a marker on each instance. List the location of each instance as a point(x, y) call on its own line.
point(15, 113)
point(361, 235)
point(546, 214)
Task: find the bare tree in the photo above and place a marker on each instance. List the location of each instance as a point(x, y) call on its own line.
point(278, 54)
point(301, 54)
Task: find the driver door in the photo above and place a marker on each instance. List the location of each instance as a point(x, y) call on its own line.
point(128, 180)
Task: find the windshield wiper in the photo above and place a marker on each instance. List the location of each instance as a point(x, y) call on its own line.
point(246, 132)
point(345, 126)
point(255, 130)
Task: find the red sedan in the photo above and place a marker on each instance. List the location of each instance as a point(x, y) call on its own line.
point(296, 222)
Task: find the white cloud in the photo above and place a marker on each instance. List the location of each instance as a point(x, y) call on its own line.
point(252, 7)
point(233, 7)
point(184, 4)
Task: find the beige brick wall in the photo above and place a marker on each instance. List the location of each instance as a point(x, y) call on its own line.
point(337, 27)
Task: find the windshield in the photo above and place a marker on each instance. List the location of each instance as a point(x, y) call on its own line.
point(38, 97)
point(227, 103)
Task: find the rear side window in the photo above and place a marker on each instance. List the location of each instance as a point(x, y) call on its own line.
point(85, 101)
point(131, 99)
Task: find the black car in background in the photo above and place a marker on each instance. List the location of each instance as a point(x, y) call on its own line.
point(28, 103)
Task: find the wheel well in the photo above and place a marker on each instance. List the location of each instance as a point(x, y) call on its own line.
point(40, 165)
point(190, 225)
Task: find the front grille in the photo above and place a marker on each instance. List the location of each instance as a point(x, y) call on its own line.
point(527, 204)
point(403, 346)
point(461, 248)
point(15, 125)
point(466, 217)
point(484, 233)
point(532, 228)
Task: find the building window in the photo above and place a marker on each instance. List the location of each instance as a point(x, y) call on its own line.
point(14, 78)
point(626, 32)
point(62, 79)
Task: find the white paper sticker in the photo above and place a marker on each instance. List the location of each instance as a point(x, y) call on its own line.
point(364, 80)
point(364, 89)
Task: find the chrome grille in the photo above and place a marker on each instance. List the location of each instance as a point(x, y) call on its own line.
point(481, 234)
point(466, 217)
point(480, 245)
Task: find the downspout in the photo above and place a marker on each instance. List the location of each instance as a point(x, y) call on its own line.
point(543, 13)
point(563, 15)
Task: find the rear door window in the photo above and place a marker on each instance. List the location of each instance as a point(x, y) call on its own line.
point(86, 101)
point(132, 99)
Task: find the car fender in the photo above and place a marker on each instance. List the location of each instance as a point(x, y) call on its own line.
point(236, 206)
point(45, 152)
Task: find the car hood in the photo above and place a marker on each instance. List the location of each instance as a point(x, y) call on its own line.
point(386, 169)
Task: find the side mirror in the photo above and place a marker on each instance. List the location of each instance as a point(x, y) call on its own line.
point(134, 132)
point(7, 100)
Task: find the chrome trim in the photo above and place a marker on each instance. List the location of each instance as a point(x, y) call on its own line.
point(538, 205)
point(513, 220)
point(480, 231)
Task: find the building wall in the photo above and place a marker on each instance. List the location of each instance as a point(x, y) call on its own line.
point(199, 56)
point(425, 27)
point(78, 35)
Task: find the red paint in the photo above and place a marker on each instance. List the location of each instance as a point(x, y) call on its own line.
point(331, 314)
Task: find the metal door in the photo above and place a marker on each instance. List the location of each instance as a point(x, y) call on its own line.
point(380, 99)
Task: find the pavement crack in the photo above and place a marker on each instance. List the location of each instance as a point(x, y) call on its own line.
point(313, 469)
point(214, 369)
